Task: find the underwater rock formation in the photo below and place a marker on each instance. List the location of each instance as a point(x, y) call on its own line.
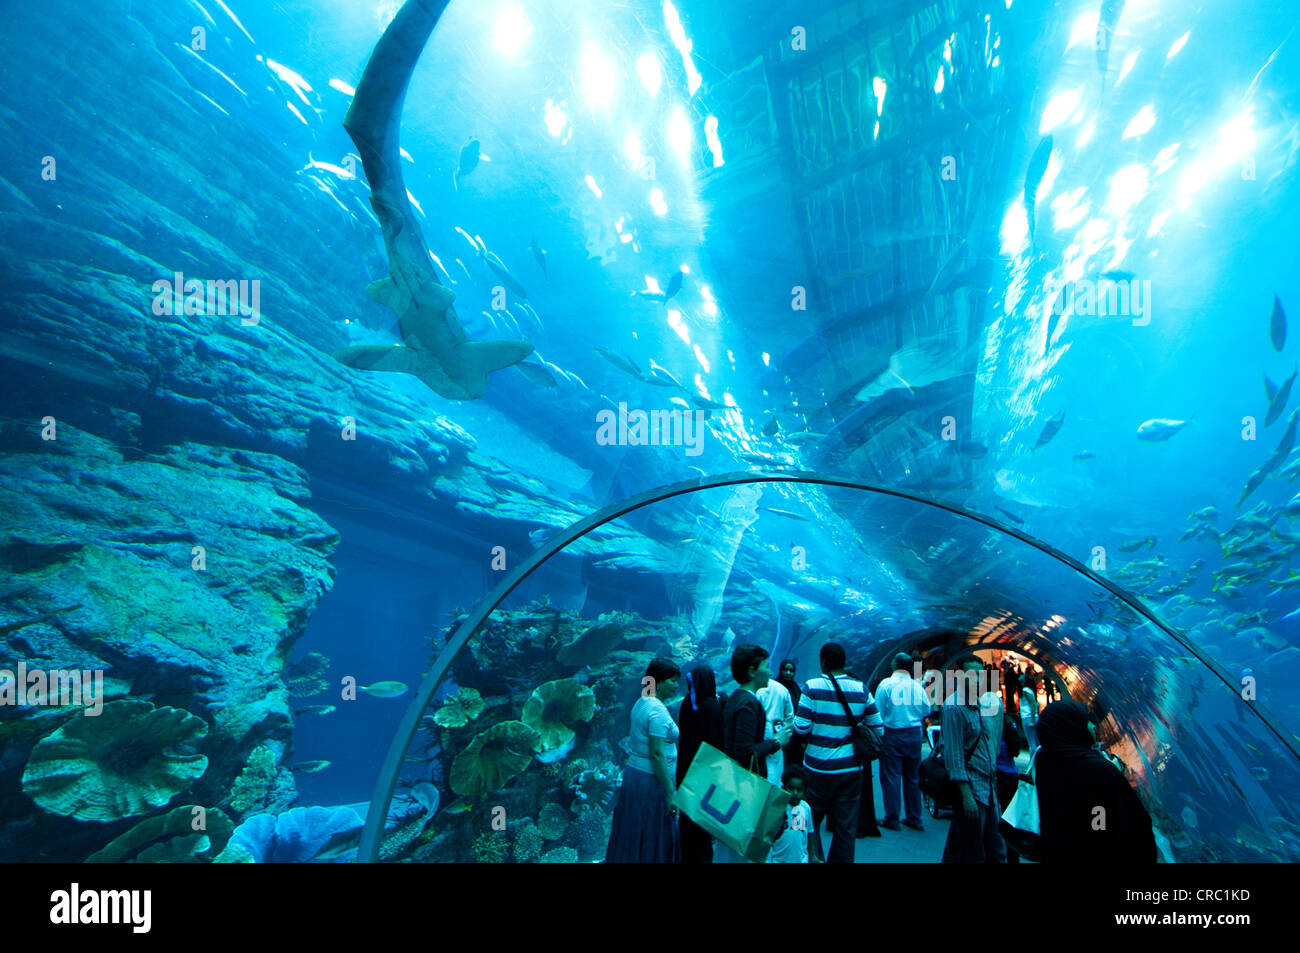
point(170, 838)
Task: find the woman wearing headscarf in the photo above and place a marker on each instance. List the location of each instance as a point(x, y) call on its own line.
point(700, 722)
point(1074, 779)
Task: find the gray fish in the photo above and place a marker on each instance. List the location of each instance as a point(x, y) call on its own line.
point(1034, 178)
point(1277, 325)
point(498, 268)
point(314, 710)
point(309, 767)
point(536, 373)
point(1107, 21)
point(539, 254)
point(1054, 318)
point(1050, 430)
point(786, 513)
point(470, 154)
point(1160, 429)
point(621, 361)
point(1133, 545)
point(1277, 405)
point(803, 437)
point(660, 377)
point(1011, 516)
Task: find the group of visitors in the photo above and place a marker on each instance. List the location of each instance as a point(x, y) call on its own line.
point(800, 738)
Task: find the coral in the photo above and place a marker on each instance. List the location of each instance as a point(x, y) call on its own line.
point(595, 786)
point(460, 709)
point(490, 848)
point(528, 844)
point(169, 838)
point(552, 769)
point(554, 709)
point(492, 759)
point(128, 760)
point(296, 835)
point(591, 833)
point(561, 855)
point(606, 691)
point(255, 787)
point(553, 821)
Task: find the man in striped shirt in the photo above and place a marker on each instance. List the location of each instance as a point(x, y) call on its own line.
point(834, 777)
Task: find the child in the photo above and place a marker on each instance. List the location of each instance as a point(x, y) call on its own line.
point(794, 845)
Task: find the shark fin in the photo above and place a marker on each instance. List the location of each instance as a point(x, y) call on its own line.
point(380, 357)
point(480, 358)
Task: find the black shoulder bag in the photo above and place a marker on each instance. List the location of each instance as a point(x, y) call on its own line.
point(935, 782)
point(867, 745)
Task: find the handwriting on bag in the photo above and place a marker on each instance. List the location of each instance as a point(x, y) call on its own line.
point(713, 812)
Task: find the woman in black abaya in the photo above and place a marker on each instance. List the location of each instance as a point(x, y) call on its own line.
point(1088, 812)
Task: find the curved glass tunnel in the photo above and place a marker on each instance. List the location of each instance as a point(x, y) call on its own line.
point(529, 701)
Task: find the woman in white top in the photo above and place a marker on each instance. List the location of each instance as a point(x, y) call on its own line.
point(644, 829)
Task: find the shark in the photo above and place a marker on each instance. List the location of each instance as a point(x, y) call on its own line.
point(434, 345)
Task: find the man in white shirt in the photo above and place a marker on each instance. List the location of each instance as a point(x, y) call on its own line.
point(779, 706)
point(903, 706)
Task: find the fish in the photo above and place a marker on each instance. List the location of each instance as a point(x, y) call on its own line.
point(772, 427)
point(1277, 325)
point(1270, 390)
point(1293, 614)
point(470, 154)
point(786, 513)
point(1253, 483)
point(434, 345)
point(803, 437)
point(536, 373)
point(1292, 506)
point(1291, 470)
point(1107, 21)
point(674, 284)
point(1278, 405)
point(385, 689)
point(1050, 430)
point(1085, 455)
point(1208, 513)
point(539, 255)
point(762, 459)
point(309, 767)
point(1133, 545)
point(1011, 516)
point(621, 361)
point(459, 806)
point(1033, 179)
point(660, 377)
point(498, 268)
point(1160, 429)
point(314, 710)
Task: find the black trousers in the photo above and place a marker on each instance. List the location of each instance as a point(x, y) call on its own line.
point(835, 796)
point(697, 843)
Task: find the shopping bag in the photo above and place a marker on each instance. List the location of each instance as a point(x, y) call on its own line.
point(1020, 826)
point(739, 808)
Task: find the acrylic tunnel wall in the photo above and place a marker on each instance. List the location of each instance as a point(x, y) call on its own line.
point(527, 703)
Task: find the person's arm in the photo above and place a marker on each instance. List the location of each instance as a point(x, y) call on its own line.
point(803, 715)
point(954, 759)
point(659, 761)
point(748, 744)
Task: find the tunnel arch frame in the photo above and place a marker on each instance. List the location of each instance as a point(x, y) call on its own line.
point(386, 780)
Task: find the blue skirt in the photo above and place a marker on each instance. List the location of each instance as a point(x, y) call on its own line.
point(642, 832)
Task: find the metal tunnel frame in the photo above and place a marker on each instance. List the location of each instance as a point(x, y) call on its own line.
point(386, 781)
